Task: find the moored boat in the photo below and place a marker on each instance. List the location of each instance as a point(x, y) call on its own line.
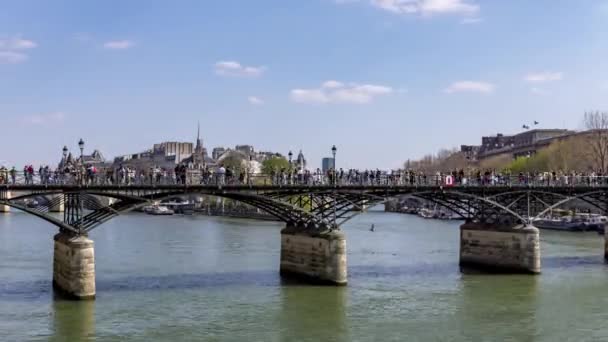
point(158, 210)
point(559, 223)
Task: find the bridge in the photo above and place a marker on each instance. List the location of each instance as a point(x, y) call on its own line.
point(497, 233)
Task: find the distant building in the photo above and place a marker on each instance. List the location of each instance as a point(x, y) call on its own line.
point(245, 149)
point(300, 162)
point(96, 159)
point(180, 150)
point(521, 144)
point(327, 164)
point(217, 152)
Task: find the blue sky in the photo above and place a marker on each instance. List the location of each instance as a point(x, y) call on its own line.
point(384, 80)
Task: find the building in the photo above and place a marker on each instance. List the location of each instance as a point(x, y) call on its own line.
point(217, 152)
point(327, 164)
point(180, 150)
point(521, 144)
point(300, 162)
point(245, 149)
point(95, 159)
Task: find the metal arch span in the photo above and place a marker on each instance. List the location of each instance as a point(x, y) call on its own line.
point(307, 205)
point(79, 222)
point(601, 195)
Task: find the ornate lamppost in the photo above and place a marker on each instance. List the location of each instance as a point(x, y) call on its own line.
point(333, 152)
point(65, 152)
point(81, 146)
point(81, 170)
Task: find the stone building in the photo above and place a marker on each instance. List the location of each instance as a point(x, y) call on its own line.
point(521, 144)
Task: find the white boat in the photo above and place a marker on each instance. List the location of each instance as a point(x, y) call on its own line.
point(559, 223)
point(426, 213)
point(158, 210)
point(594, 222)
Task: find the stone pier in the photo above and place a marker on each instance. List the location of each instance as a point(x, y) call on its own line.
point(5, 208)
point(606, 244)
point(500, 249)
point(315, 255)
point(74, 266)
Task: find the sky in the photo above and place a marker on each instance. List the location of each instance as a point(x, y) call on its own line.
point(383, 80)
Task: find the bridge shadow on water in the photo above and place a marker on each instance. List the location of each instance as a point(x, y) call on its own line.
point(42, 289)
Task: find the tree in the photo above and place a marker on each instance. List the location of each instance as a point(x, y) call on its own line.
point(274, 164)
point(234, 162)
point(597, 123)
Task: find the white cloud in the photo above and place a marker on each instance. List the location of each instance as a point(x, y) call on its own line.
point(470, 86)
point(232, 68)
point(41, 119)
point(16, 43)
point(338, 92)
point(11, 49)
point(427, 7)
point(118, 44)
point(254, 100)
point(544, 77)
point(12, 57)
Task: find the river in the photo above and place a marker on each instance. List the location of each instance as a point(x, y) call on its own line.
point(216, 279)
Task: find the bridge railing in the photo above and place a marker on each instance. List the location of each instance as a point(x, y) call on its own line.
point(313, 179)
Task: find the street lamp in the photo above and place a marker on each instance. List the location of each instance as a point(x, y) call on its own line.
point(290, 155)
point(333, 152)
point(65, 152)
point(81, 146)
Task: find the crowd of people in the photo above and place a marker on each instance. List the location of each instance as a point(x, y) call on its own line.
point(225, 175)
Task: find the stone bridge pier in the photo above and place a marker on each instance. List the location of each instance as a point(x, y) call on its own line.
point(501, 249)
point(74, 266)
point(5, 208)
point(314, 255)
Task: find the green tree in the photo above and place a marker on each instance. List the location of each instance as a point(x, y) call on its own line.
point(234, 162)
point(274, 164)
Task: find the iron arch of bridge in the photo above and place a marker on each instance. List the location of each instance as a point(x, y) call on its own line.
point(313, 206)
point(129, 200)
point(342, 204)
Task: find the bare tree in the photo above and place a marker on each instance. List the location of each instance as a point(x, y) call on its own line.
point(597, 124)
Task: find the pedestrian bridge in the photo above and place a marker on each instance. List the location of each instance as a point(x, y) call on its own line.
point(497, 233)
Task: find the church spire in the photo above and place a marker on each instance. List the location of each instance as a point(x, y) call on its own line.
point(199, 144)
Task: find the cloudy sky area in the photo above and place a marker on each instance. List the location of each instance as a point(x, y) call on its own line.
point(384, 80)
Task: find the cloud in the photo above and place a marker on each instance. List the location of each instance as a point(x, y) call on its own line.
point(16, 43)
point(338, 92)
point(118, 45)
point(544, 77)
point(470, 86)
point(426, 7)
point(232, 68)
point(12, 57)
point(255, 100)
point(42, 119)
point(11, 49)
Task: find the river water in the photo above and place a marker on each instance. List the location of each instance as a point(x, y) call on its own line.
point(216, 279)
